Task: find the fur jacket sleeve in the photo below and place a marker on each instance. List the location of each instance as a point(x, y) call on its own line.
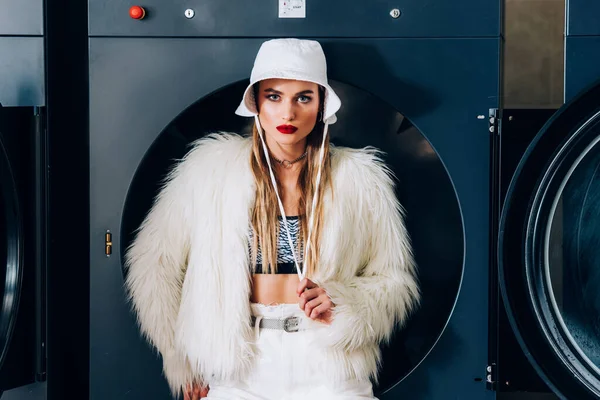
point(156, 265)
point(371, 299)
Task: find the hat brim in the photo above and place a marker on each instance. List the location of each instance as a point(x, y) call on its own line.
point(332, 104)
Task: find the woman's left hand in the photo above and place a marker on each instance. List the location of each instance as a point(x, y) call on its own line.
point(314, 301)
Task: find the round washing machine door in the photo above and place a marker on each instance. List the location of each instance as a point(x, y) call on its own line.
point(549, 250)
point(434, 222)
point(10, 253)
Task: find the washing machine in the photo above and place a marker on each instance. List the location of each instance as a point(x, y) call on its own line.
point(22, 196)
point(548, 247)
point(419, 81)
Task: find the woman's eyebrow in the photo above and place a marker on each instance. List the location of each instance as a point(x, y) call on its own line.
point(271, 90)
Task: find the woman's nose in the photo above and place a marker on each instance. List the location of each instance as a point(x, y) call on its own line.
point(288, 112)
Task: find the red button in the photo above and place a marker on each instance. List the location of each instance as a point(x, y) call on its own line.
point(137, 12)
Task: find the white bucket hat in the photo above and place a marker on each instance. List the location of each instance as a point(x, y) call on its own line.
point(301, 60)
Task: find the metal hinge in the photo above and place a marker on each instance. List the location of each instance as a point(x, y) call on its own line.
point(108, 243)
point(494, 121)
point(490, 376)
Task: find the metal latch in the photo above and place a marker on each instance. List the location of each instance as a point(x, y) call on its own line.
point(108, 243)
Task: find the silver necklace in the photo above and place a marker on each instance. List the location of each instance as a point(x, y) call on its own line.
point(288, 164)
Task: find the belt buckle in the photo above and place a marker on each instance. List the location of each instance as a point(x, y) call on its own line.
point(291, 324)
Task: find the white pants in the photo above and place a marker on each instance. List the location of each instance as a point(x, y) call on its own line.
point(287, 366)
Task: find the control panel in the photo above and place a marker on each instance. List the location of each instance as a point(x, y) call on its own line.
point(317, 18)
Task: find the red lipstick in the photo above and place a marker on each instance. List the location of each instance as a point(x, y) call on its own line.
point(287, 129)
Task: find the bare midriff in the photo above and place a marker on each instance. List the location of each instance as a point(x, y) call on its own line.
point(274, 288)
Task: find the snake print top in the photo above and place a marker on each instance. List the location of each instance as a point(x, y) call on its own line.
point(285, 259)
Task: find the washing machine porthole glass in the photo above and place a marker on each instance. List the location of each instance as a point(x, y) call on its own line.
point(10, 266)
point(3, 266)
point(562, 253)
point(433, 215)
point(3, 246)
point(573, 254)
point(549, 249)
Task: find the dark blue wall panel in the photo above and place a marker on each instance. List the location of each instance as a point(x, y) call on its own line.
point(582, 64)
point(22, 71)
point(21, 17)
point(583, 17)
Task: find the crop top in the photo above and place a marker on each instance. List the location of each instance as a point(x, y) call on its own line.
point(285, 259)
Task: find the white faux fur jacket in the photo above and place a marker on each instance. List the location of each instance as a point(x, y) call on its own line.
point(189, 277)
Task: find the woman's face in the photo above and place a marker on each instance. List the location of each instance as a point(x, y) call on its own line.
point(288, 110)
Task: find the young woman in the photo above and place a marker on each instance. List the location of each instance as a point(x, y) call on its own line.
point(271, 267)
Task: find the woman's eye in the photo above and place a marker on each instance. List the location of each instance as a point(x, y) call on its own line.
point(273, 97)
point(304, 99)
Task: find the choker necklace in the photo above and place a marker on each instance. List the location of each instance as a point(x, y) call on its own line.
point(288, 164)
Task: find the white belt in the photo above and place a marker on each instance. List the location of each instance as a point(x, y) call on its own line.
point(289, 324)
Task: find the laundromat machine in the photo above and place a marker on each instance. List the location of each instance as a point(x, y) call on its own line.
point(417, 81)
point(43, 126)
point(549, 235)
point(22, 194)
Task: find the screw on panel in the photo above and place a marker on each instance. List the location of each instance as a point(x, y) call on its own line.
point(395, 13)
point(189, 13)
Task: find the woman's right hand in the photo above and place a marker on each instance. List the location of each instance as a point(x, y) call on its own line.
point(195, 392)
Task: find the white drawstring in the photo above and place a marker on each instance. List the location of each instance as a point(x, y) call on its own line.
point(301, 273)
point(281, 210)
point(315, 196)
point(257, 326)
